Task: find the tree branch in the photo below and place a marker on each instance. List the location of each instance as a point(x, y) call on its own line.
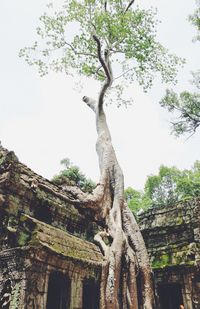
point(107, 69)
point(79, 53)
point(124, 73)
point(105, 6)
point(129, 5)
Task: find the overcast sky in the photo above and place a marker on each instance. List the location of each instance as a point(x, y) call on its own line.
point(44, 120)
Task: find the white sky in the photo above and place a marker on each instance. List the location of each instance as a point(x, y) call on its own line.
point(44, 120)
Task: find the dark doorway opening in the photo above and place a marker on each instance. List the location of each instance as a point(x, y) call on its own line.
point(59, 291)
point(90, 294)
point(170, 296)
point(139, 291)
point(43, 213)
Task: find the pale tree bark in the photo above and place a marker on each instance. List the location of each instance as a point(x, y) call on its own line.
point(121, 242)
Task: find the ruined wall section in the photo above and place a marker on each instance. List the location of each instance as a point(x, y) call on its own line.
point(43, 238)
point(172, 236)
point(24, 192)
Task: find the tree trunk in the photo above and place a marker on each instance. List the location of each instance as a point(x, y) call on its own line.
point(121, 242)
point(126, 257)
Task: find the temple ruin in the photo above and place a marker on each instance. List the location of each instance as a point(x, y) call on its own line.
point(49, 260)
point(172, 236)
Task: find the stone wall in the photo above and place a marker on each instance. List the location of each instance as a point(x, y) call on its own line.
point(45, 242)
point(172, 236)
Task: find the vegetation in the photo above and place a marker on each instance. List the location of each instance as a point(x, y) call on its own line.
point(186, 105)
point(113, 41)
point(72, 176)
point(137, 200)
point(126, 35)
point(170, 186)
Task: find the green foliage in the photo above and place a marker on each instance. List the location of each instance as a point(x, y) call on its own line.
point(195, 20)
point(186, 105)
point(72, 176)
point(170, 186)
point(161, 188)
point(136, 200)
point(128, 34)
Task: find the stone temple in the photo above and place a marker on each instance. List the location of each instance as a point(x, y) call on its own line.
point(172, 236)
point(48, 259)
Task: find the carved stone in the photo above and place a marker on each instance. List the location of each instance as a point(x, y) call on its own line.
point(173, 241)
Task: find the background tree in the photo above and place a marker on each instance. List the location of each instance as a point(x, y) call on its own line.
point(113, 40)
point(168, 187)
point(72, 176)
point(137, 200)
point(161, 188)
point(186, 106)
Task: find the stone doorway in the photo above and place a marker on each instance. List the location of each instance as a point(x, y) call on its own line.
point(170, 296)
point(90, 294)
point(59, 291)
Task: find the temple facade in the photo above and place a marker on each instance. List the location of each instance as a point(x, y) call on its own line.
point(48, 259)
point(172, 236)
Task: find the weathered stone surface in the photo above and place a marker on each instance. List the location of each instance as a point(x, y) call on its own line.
point(36, 233)
point(41, 234)
point(44, 238)
point(172, 236)
point(23, 191)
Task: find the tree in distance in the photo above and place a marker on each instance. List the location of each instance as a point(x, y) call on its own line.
point(169, 187)
point(114, 41)
point(72, 176)
point(186, 105)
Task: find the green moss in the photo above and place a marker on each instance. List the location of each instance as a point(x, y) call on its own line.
point(184, 255)
point(23, 238)
point(41, 194)
point(161, 261)
point(13, 205)
point(12, 224)
point(23, 218)
point(2, 159)
point(15, 297)
point(179, 219)
point(34, 241)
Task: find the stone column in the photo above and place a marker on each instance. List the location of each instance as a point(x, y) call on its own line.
point(187, 292)
point(76, 292)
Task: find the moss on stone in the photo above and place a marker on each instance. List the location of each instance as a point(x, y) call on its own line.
point(12, 224)
point(23, 238)
point(13, 205)
point(2, 159)
point(161, 261)
point(175, 256)
point(23, 218)
point(59, 242)
point(179, 219)
point(15, 296)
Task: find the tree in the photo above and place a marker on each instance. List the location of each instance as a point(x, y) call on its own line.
point(137, 201)
point(186, 106)
point(161, 188)
point(72, 176)
point(168, 187)
point(195, 20)
point(113, 40)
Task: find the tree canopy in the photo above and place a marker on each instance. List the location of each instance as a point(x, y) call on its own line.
point(168, 187)
point(127, 35)
point(72, 176)
point(186, 105)
point(195, 20)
